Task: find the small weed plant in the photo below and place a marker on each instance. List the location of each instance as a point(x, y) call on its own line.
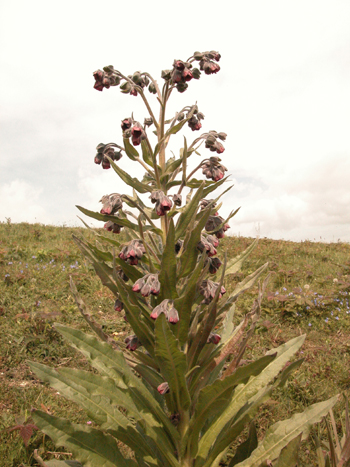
point(176, 393)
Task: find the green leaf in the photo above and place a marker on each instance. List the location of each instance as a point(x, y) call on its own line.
point(102, 237)
point(112, 363)
point(188, 213)
point(290, 454)
point(213, 399)
point(65, 463)
point(131, 152)
point(146, 155)
point(167, 275)
point(90, 446)
point(133, 182)
point(213, 186)
point(235, 264)
point(247, 283)
point(100, 397)
point(172, 362)
point(281, 433)
point(245, 392)
point(176, 128)
point(185, 302)
point(245, 449)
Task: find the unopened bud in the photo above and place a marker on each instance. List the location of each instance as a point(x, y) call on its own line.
point(196, 73)
point(152, 89)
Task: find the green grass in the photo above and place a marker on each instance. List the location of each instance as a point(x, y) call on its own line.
point(308, 293)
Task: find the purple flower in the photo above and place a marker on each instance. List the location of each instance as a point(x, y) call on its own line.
point(163, 388)
point(132, 252)
point(111, 203)
point(162, 202)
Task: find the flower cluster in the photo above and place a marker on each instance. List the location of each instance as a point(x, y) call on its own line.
point(106, 78)
point(214, 224)
point(111, 203)
point(181, 73)
point(147, 285)
point(212, 168)
point(214, 264)
point(133, 252)
point(212, 143)
point(135, 80)
point(208, 244)
point(208, 289)
point(103, 152)
point(166, 307)
point(161, 201)
point(207, 61)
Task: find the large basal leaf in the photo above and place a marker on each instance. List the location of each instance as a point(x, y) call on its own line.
point(213, 398)
point(243, 393)
point(91, 447)
point(246, 448)
point(172, 362)
point(100, 397)
point(281, 433)
point(112, 363)
point(290, 454)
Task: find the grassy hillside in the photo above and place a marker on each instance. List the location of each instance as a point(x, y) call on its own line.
point(308, 293)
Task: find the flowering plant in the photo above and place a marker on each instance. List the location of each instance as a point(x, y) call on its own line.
point(176, 394)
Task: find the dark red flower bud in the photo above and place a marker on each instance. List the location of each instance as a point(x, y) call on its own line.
point(111, 203)
point(219, 148)
point(213, 225)
point(126, 124)
point(214, 264)
point(98, 158)
point(179, 65)
point(118, 305)
point(137, 134)
point(112, 227)
point(133, 92)
point(163, 388)
point(132, 343)
point(204, 245)
point(187, 74)
point(194, 123)
point(213, 339)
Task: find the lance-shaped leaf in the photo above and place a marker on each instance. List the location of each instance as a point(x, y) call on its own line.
point(100, 397)
point(102, 237)
point(170, 168)
point(189, 256)
point(65, 463)
point(167, 275)
point(213, 186)
point(131, 152)
point(244, 392)
point(245, 449)
point(172, 362)
point(235, 264)
point(213, 399)
point(131, 181)
point(89, 446)
point(146, 155)
point(112, 363)
point(188, 213)
point(185, 302)
point(281, 433)
point(247, 283)
point(290, 454)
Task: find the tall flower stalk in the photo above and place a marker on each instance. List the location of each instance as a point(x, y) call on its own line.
point(176, 392)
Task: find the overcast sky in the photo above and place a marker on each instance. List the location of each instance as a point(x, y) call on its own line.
point(282, 96)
